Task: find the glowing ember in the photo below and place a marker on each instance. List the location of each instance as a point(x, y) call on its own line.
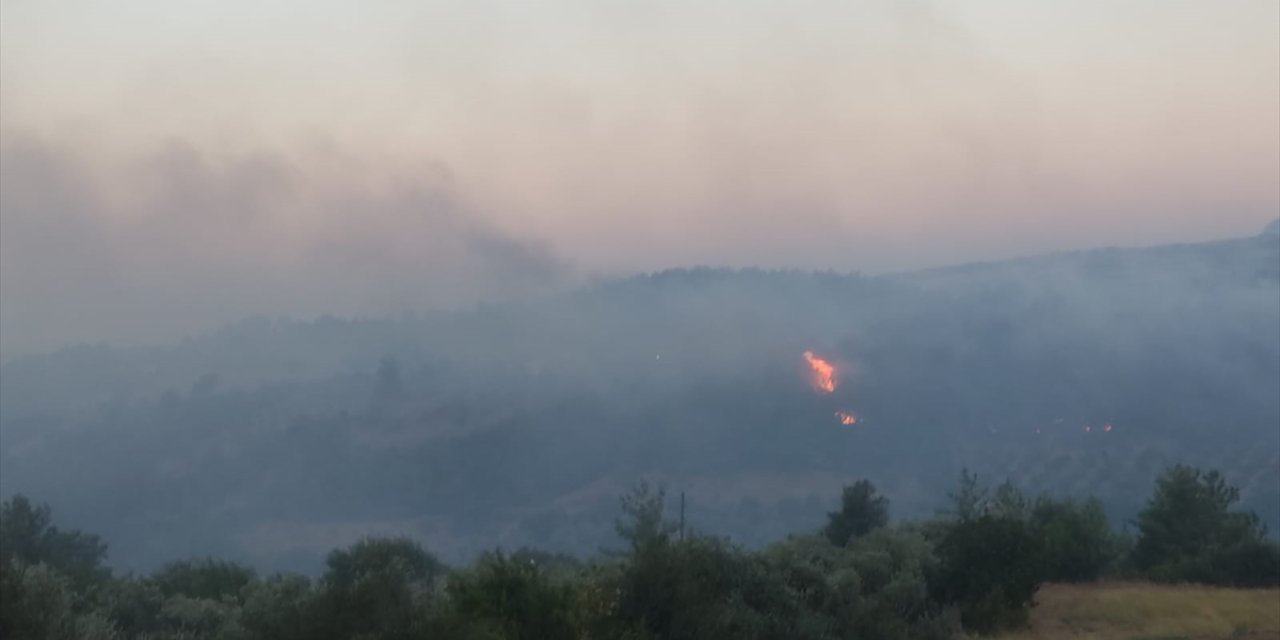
point(847, 417)
point(824, 373)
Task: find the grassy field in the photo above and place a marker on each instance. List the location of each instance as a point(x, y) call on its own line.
point(1135, 611)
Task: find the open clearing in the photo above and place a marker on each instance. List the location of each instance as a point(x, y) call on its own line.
point(1139, 611)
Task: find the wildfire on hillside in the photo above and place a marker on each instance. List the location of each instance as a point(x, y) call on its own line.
point(823, 377)
point(823, 373)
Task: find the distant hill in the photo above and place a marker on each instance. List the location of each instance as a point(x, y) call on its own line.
point(520, 424)
point(1249, 260)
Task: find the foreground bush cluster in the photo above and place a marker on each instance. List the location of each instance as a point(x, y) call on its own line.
point(975, 568)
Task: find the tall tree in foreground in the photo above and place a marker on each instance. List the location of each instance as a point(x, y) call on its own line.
point(27, 536)
point(862, 510)
point(46, 574)
point(1188, 532)
point(990, 558)
point(642, 521)
point(990, 569)
point(379, 587)
point(513, 598)
point(1077, 540)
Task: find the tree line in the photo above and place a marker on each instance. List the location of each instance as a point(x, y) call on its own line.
point(974, 568)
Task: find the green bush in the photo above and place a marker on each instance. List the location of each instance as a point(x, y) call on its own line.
point(861, 511)
point(1078, 544)
point(208, 579)
point(989, 568)
point(977, 569)
point(36, 601)
point(133, 604)
point(512, 597)
point(27, 535)
point(280, 608)
point(381, 587)
point(1188, 533)
point(877, 587)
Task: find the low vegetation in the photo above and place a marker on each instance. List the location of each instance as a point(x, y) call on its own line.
point(977, 569)
point(1129, 611)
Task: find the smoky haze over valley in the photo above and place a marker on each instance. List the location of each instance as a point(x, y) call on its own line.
point(169, 169)
point(520, 423)
point(274, 279)
point(180, 241)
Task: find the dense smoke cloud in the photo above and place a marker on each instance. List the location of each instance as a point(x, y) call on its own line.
point(182, 240)
point(192, 164)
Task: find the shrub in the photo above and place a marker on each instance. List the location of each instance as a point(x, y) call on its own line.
point(1187, 532)
point(513, 597)
point(861, 511)
point(990, 568)
point(380, 587)
point(208, 579)
point(1077, 542)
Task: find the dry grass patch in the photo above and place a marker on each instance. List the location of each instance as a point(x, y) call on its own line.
point(1140, 611)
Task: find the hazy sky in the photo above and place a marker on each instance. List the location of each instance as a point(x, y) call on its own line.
point(170, 165)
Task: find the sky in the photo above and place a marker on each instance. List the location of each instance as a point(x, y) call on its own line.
point(168, 166)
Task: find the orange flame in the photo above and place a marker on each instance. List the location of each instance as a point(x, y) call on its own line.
point(824, 373)
point(847, 418)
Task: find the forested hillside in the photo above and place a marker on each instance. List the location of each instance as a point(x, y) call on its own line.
point(274, 440)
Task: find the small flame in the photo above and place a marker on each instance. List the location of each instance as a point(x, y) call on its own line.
point(847, 418)
point(824, 373)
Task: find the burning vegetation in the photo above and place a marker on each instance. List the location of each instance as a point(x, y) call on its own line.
point(823, 373)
